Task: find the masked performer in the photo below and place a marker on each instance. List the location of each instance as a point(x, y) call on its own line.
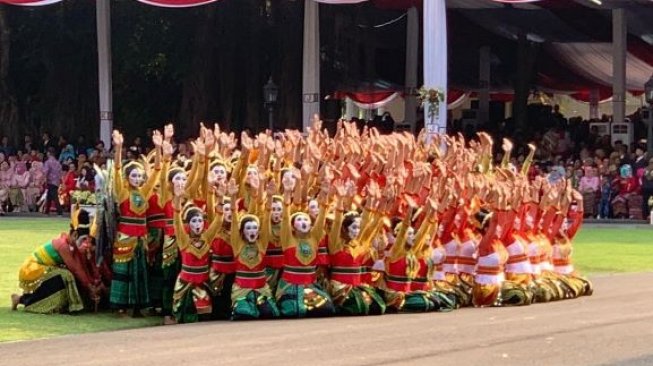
point(298, 294)
point(129, 286)
point(52, 277)
point(250, 295)
point(191, 298)
point(350, 240)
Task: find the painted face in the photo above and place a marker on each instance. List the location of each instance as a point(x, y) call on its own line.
point(250, 231)
point(302, 224)
point(196, 224)
point(517, 222)
point(313, 208)
point(410, 236)
point(530, 221)
point(136, 178)
point(275, 214)
point(287, 175)
point(226, 212)
point(440, 231)
point(354, 229)
point(499, 231)
point(252, 172)
point(180, 179)
point(457, 220)
point(219, 173)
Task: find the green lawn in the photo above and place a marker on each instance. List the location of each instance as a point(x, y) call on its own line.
point(596, 250)
point(18, 238)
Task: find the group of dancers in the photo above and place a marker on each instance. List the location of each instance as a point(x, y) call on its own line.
point(292, 225)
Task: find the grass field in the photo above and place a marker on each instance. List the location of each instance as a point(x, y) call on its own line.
point(18, 238)
point(596, 250)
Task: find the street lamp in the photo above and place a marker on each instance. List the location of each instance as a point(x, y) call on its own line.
point(270, 94)
point(648, 115)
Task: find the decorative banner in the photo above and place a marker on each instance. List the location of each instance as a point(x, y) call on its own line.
point(339, 2)
point(29, 2)
point(176, 3)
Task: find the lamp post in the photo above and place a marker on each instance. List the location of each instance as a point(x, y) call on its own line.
point(648, 95)
point(270, 94)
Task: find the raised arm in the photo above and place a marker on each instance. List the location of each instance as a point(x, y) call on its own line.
point(399, 247)
point(427, 227)
point(152, 179)
point(236, 241)
point(286, 225)
point(182, 237)
point(117, 164)
point(196, 176)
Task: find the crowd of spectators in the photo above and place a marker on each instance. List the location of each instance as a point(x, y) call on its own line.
point(615, 179)
point(39, 176)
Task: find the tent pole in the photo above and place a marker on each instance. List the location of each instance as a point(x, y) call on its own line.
point(103, 16)
point(412, 51)
point(435, 62)
point(619, 30)
point(311, 63)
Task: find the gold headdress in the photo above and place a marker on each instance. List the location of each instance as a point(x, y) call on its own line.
point(250, 217)
point(190, 208)
point(132, 164)
point(299, 213)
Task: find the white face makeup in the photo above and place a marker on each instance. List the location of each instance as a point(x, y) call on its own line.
point(410, 236)
point(196, 225)
point(250, 231)
point(219, 174)
point(313, 208)
point(136, 178)
point(180, 179)
point(457, 220)
point(252, 172)
point(302, 223)
point(354, 229)
point(529, 221)
point(226, 212)
point(440, 230)
point(517, 223)
point(275, 214)
point(499, 231)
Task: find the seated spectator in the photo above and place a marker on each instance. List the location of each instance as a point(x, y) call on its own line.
point(5, 183)
point(19, 183)
point(67, 154)
point(606, 197)
point(36, 186)
point(626, 186)
point(589, 187)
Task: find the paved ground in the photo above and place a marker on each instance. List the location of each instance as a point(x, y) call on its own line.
point(613, 327)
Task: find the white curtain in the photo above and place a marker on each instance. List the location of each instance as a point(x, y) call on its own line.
point(435, 60)
point(594, 61)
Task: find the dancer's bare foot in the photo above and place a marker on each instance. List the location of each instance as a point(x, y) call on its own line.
point(15, 300)
point(168, 320)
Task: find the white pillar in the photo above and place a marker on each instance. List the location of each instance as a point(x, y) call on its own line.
point(594, 104)
point(435, 61)
point(311, 63)
point(484, 85)
point(412, 51)
point(619, 32)
point(103, 19)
